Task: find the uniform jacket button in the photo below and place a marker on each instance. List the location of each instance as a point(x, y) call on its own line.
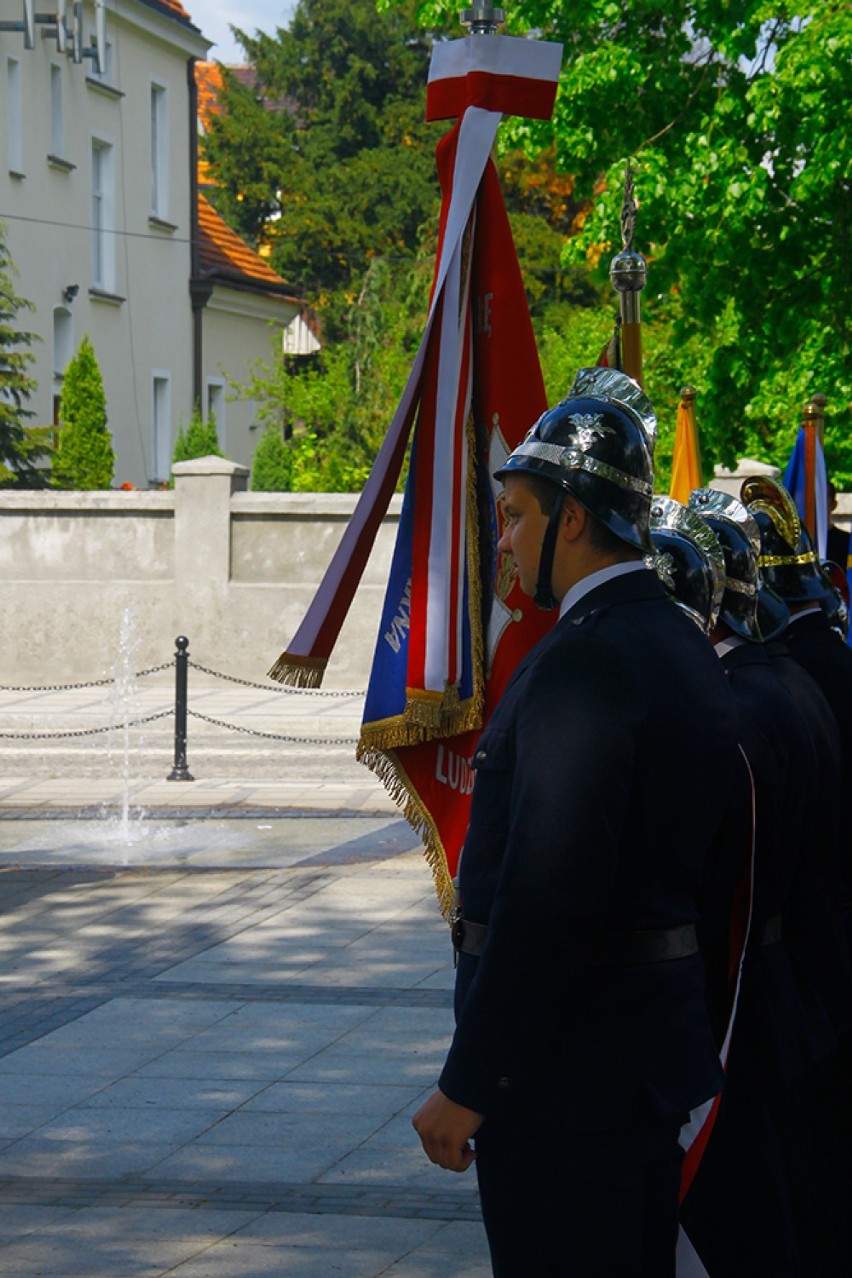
point(504, 1084)
point(479, 756)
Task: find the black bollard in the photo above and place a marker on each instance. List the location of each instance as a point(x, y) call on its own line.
point(181, 772)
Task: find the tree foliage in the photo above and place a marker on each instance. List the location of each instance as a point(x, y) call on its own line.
point(21, 447)
point(272, 464)
point(325, 423)
point(328, 158)
point(199, 439)
point(84, 456)
point(735, 116)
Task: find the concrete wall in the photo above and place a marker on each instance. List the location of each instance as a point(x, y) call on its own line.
point(232, 570)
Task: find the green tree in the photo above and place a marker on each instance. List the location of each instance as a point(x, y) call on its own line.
point(21, 447)
point(84, 456)
point(198, 439)
point(734, 115)
point(328, 157)
point(272, 464)
point(331, 417)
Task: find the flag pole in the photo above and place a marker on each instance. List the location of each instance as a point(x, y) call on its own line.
point(811, 419)
point(819, 402)
point(628, 273)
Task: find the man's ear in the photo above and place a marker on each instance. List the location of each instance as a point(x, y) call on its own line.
point(574, 519)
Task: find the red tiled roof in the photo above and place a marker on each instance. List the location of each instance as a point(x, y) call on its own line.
point(208, 79)
point(222, 253)
point(177, 6)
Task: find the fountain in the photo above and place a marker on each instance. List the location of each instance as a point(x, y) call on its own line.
point(125, 709)
point(121, 834)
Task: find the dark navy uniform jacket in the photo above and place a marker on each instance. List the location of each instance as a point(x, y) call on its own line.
point(601, 784)
point(827, 659)
point(812, 919)
point(776, 1035)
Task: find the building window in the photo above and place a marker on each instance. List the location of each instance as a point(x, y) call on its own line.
point(159, 151)
point(63, 341)
point(103, 215)
point(57, 119)
point(216, 406)
point(14, 116)
point(161, 427)
point(104, 76)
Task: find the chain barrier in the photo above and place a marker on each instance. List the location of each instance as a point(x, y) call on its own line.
point(273, 736)
point(86, 732)
point(180, 710)
point(76, 687)
point(277, 687)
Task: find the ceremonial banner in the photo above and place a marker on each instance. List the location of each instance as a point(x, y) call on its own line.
point(455, 623)
point(686, 458)
point(807, 484)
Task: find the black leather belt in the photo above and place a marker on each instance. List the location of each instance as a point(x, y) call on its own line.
point(618, 949)
point(771, 930)
point(649, 945)
point(467, 937)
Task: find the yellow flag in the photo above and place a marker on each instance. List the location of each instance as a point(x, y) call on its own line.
point(686, 459)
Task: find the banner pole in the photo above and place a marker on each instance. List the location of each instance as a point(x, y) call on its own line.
point(810, 420)
point(628, 273)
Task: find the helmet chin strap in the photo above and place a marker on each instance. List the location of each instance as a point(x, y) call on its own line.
point(544, 597)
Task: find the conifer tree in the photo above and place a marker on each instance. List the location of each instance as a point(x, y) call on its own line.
point(84, 457)
point(20, 447)
point(198, 439)
point(272, 464)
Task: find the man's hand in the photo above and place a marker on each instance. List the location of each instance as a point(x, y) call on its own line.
point(445, 1129)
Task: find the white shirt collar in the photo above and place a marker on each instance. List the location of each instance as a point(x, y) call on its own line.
point(806, 612)
point(582, 588)
point(725, 645)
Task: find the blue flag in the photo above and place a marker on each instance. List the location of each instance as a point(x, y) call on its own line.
point(794, 482)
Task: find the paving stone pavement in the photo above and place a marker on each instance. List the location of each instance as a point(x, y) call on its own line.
point(217, 1016)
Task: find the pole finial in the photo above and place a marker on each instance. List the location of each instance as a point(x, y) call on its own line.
point(628, 273)
point(483, 18)
point(628, 212)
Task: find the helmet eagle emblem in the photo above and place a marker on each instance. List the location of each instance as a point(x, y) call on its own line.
point(588, 427)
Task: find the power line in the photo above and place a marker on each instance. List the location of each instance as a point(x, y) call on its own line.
point(74, 226)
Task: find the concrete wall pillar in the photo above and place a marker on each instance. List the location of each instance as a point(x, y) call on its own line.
point(203, 489)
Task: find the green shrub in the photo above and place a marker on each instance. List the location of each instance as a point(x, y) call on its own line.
point(198, 439)
point(272, 464)
point(84, 456)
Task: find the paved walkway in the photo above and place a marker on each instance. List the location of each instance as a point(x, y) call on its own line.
point(216, 1019)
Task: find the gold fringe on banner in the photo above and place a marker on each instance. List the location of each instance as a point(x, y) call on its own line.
point(299, 672)
point(440, 715)
point(418, 723)
point(388, 768)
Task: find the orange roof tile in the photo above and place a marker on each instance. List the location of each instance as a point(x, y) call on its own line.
point(222, 253)
point(208, 78)
point(176, 6)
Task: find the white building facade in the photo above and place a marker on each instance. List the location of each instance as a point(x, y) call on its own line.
point(98, 196)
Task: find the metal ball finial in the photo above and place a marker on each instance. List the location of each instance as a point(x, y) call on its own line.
point(628, 271)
